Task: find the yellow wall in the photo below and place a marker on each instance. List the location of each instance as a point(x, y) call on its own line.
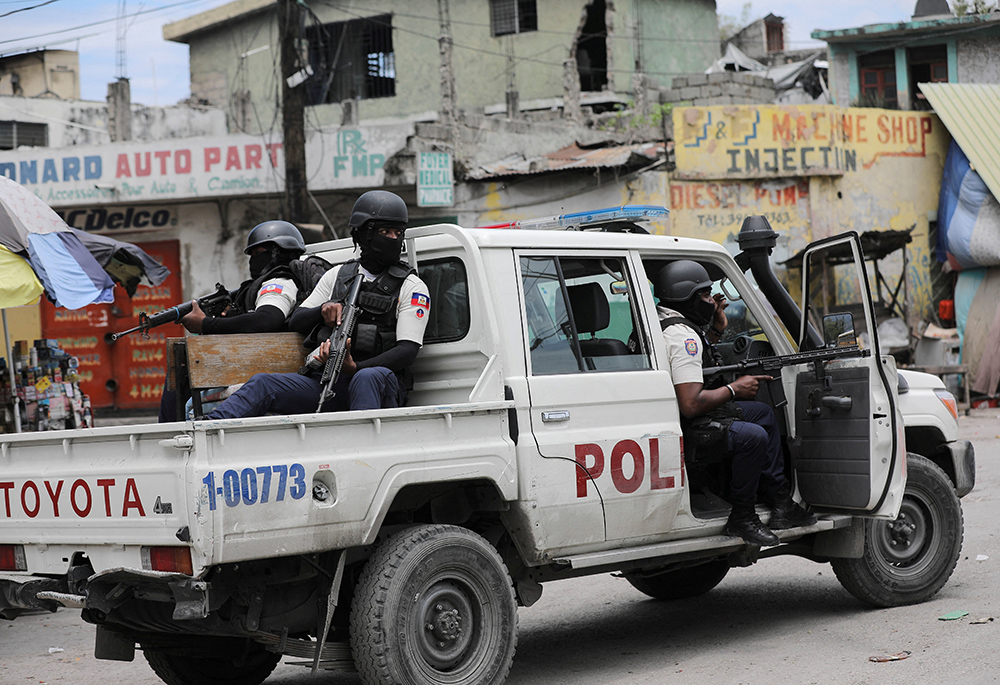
point(814, 171)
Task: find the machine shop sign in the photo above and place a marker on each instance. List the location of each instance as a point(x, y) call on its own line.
point(204, 167)
point(768, 141)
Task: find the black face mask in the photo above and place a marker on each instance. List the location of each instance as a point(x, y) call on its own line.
point(259, 263)
point(699, 311)
point(381, 252)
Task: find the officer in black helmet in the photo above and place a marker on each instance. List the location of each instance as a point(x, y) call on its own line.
point(395, 306)
point(725, 417)
point(262, 302)
point(268, 297)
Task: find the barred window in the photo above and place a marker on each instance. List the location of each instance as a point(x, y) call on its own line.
point(14, 134)
point(351, 60)
point(513, 16)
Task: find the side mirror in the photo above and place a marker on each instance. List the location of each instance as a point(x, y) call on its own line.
point(838, 330)
point(618, 288)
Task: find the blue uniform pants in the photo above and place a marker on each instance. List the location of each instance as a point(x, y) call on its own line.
point(755, 444)
point(375, 387)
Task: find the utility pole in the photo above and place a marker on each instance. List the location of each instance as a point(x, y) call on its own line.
point(293, 104)
point(449, 116)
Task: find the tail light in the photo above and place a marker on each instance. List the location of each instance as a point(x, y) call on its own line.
point(170, 559)
point(12, 558)
point(948, 400)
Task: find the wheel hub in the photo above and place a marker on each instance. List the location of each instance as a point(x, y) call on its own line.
point(904, 540)
point(446, 624)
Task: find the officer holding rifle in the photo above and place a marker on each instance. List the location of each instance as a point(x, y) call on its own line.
point(262, 302)
point(726, 417)
point(394, 308)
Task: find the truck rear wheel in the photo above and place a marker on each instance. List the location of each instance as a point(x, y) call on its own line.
point(233, 665)
point(908, 560)
point(681, 583)
point(434, 605)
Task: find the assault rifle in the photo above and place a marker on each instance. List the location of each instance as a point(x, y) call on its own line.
point(771, 366)
point(212, 304)
point(338, 342)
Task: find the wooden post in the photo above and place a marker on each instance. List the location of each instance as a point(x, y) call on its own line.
point(293, 101)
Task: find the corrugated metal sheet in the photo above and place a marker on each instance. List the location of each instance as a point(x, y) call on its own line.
point(970, 112)
point(573, 157)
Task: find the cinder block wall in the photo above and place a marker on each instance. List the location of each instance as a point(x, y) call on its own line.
point(723, 88)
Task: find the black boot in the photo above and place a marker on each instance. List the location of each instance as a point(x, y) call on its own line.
point(786, 513)
point(744, 523)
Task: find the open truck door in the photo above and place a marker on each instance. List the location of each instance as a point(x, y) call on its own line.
point(848, 453)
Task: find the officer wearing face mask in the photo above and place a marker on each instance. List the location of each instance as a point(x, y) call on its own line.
point(264, 301)
point(395, 306)
point(725, 417)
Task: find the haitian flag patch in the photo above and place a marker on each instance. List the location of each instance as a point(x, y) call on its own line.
point(273, 289)
point(420, 300)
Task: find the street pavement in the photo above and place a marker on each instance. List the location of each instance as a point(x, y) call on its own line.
point(784, 620)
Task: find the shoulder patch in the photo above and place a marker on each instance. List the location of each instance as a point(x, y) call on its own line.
point(420, 300)
point(272, 289)
point(691, 346)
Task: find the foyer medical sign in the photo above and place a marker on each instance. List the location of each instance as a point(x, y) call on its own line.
point(195, 168)
point(435, 185)
point(769, 141)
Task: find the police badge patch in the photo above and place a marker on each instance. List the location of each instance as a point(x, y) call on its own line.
point(691, 345)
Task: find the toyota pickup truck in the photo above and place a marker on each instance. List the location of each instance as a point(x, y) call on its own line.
point(541, 441)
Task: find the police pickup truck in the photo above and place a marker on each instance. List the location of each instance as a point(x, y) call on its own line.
point(542, 441)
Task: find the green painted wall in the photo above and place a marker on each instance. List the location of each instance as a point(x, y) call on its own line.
point(678, 36)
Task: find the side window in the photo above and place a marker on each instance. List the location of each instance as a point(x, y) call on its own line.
point(449, 291)
point(580, 316)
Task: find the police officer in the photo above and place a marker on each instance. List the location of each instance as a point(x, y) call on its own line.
point(262, 302)
point(265, 300)
point(691, 317)
point(395, 306)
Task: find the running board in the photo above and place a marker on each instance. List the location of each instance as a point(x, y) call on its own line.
point(716, 543)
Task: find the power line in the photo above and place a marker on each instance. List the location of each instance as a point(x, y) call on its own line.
point(25, 9)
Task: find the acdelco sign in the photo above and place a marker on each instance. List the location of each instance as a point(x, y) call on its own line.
point(100, 218)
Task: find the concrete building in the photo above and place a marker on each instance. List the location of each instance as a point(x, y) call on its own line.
point(41, 74)
point(374, 60)
point(880, 64)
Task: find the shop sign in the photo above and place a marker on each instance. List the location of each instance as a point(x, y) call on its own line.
point(188, 168)
point(435, 185)
point(766, 141)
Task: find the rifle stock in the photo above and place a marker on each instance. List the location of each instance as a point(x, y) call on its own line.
point(338, 343)
point(212, 304)
point(767, 366)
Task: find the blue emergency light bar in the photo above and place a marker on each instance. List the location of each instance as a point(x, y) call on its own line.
point(581, 220)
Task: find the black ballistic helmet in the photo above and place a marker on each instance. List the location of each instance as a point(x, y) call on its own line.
point(280, 233)
point(679, 281)
point(377, 205)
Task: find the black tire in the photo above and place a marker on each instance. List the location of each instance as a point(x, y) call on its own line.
point(681, 583)
point(906, 561)
point(233, 666)
point(434, 604)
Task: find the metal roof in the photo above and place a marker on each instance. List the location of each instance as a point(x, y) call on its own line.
point(969, 112)
point(573, 157)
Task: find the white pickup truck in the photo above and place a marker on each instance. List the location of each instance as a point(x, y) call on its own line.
point(542, 441)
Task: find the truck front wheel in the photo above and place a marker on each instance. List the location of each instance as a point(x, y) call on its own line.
point(434, 605)
point(908, 560)
point(235, 663)
point(681, 583)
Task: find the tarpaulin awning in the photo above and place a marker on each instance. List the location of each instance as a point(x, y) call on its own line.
point(573, 157)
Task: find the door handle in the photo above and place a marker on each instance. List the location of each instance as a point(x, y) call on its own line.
point(555, 416)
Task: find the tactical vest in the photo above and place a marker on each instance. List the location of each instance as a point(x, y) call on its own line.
point(375, 331)
point(709, 431)
point(246, 297)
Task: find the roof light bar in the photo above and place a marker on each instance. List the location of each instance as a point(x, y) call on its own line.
point(580, 220)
